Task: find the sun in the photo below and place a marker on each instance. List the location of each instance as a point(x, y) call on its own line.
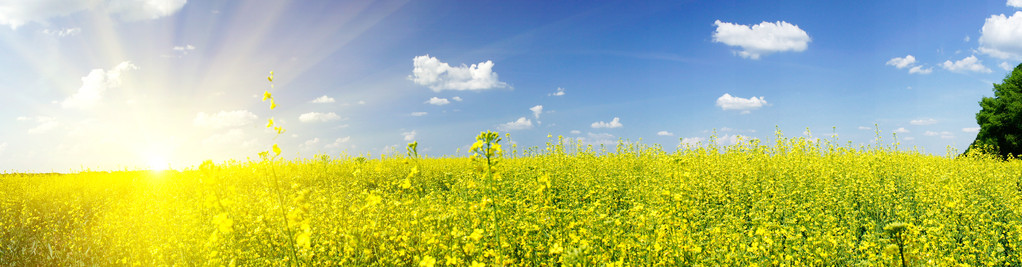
point(158, 163)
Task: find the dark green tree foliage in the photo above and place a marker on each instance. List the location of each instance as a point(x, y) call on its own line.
point(1000, 120)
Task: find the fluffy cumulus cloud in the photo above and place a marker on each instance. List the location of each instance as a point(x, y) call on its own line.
point(339, 142)
point(919, 70)
point(438, 76)
point(323, 100)
point(692, 141)
point(927, 121)
point(318, 117)
point(63, 32)
point(224, 119)
point(24, 12)
point(409, 136)
point(576, 132)
point(615, 123)
point(456, 98)
point(419, 113)
point(902, 62)
point(746, 105)
point(521, 123)
point(438, 101)
point(865, 128)
point(536, 110)
point(901, 130)
point(559, 92)
point(664, 133)
point(761, 39)
point(942, 134)
point(43, 124)
point(597, 139)
point(970, 63)
point(908, 62)
point(1001, 36)
point(95, 85)
point(1015, 3)
point(1006, 66)
point(970, 129)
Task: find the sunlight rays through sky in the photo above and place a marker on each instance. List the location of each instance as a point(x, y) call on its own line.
point(117, 84)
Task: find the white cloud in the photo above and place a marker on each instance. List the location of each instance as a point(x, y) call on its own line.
point(340, 141)
point(927, 121)
point(133, 10)
point(521, 124)
point(865, 128)
point(409, 136)
point(746, 105)
point(692, 141)
point(43, 124)
point(1006, 66)
point(901, 130)
point(576, 132)
point(456, 98)
point(1001, 36)
point(24, 12)
point(438, 76)
point(970, 129)
point(1014, 3)
point(361, 102)
point(902, 62)
point(536, 110)
point(943, 134)
point(419, 113)
point(318, 117)
point(224, 119)
point(762, 39)
point(909, 138)
point(559, 92)
point(615, 123)
point(323, 100)
point(63, 32)
point(731, 139)
point(95, 84)
point(970, 63)
point(966, 39)
point(598, 139)
point(664, 133)
point(919, 70)
point(438, 101)
point(909, 62)
point(312, 142)
point(183, 48)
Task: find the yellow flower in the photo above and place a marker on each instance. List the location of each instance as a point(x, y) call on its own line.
point(273, 104)
point(269, 124)
point(476, 234)
point(477, 264)
point(556, 249)
point(276, 150)
point(304, 240)
point(427, 261)
point(266, 95)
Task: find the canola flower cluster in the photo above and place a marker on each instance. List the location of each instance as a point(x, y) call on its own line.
point(797, 202)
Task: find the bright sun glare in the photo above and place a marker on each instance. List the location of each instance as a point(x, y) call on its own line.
point(158, 164)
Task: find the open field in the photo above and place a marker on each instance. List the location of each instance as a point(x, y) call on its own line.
point(793, 203)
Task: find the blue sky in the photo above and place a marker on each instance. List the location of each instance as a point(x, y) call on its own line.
point(123, 84)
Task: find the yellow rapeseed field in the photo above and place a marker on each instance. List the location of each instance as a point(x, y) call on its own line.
point(796, 202)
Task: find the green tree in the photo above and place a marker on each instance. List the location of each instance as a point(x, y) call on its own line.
point(1000, 120)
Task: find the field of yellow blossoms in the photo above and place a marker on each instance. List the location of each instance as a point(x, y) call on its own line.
point(796, 202)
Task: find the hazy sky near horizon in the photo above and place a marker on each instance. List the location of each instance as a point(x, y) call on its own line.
point(117, 84)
